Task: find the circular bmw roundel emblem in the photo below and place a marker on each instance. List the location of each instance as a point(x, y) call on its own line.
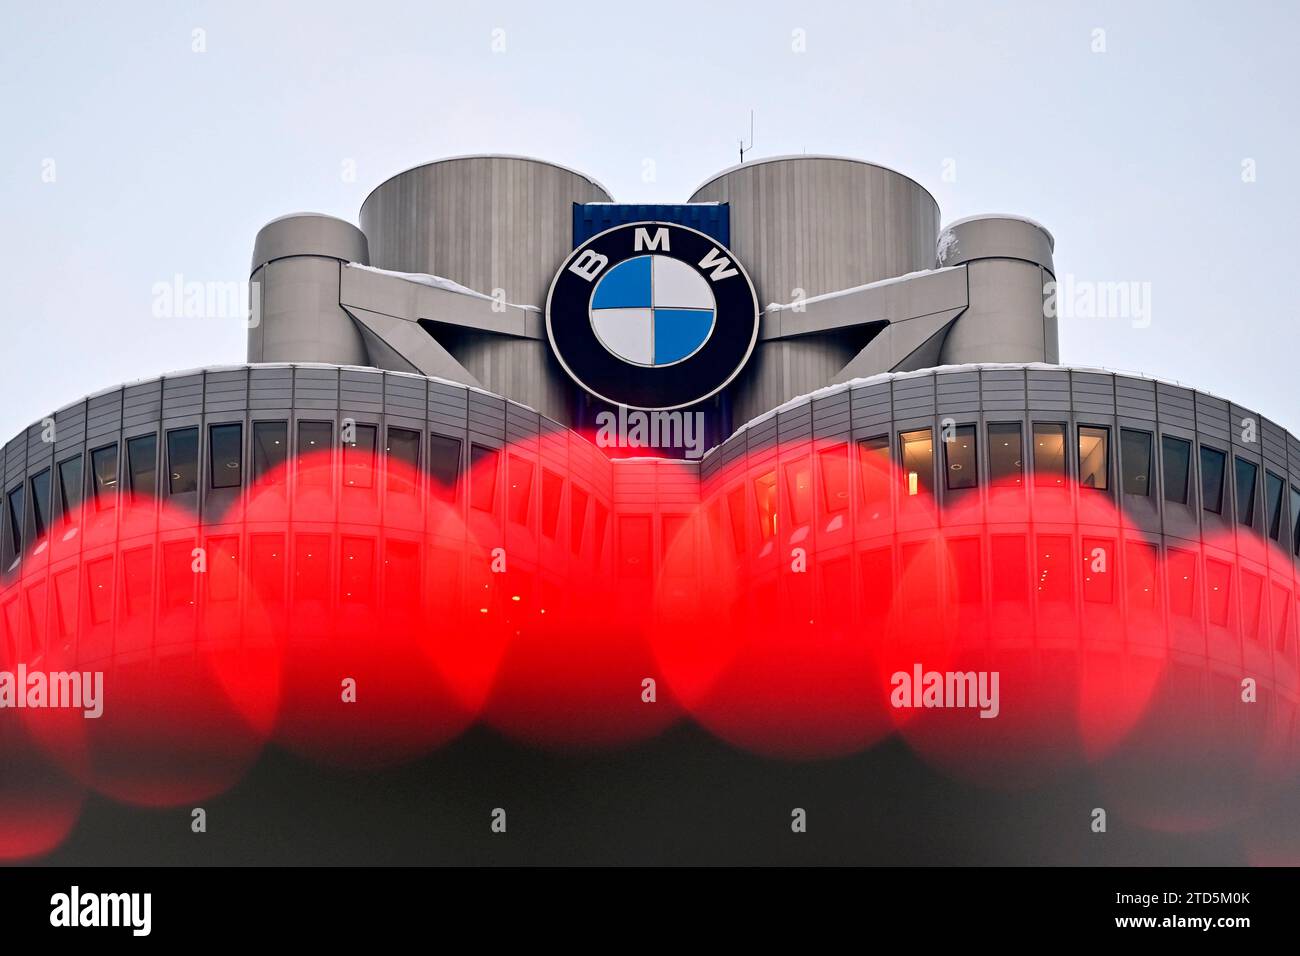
point(652, 315)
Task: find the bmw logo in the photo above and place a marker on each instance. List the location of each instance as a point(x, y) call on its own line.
point(652, 315)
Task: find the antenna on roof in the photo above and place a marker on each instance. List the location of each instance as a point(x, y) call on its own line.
point(743, 146)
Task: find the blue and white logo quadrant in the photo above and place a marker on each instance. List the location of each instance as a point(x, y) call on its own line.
point(653, 310)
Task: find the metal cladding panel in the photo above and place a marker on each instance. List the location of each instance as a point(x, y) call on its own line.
point(316, 388)
point(182, 396)
point(270, 388)
point(141, 403)
point(1049, 391)
point(1135, 398)
point(590, 219)
point(832, 415)
point(71, 424)
point(448, 409)
point(1091, 393)
point(15, 456)
point(957, 392)
point(914, 397)
point(1274, 444)
point(1212, 417)
point(795, 423)
point(1247, 429)
point(822, 224)
point(1002, 390)
point(225, 391)
point(405, 395)
point(103, 415)
point(873, 406)
point(1177, 406)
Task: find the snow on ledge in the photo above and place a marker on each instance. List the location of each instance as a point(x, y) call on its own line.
point(438, 282)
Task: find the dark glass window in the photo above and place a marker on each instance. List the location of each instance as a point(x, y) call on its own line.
point(917, 451)
point(1178, 467)
point(444, 465)
point(70, 486)
point(270, 450)
point(634, 546)
point(1008, 569)
point(1055, 579)
point(1049, 455)
point(137, 581)
point(311, 567)
point(1212, 467)
point(183, 461)
point(577, 517)
point(959, 457)
point(1006, 454)
point(1218, 581)
point(404, 453)
point(1295, 520)
point(1094, 457)
point(552, 492)
point(1140, 563)
point(142, 463)
point(873, 459)
point(484, 464)
point(99, 585)
point(226, 454)
point(1246, 474)
point(1135, 452)
point(521, 489)
point(835, 478)
point(41, 503)
point(1182, 583)
point(798, 488)
point(17, 507)
point(359, 457)
point(103, 465)
point(357, 571)
point(315, 444)
point(1274, 485)
point(1252, 605)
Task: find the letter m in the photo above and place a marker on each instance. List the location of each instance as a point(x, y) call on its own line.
point(643, 239)
point(720, 265)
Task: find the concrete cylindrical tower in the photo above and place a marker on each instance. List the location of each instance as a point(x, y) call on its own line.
point(807, 225)
point(1008, 260)
point(295, 276)
point(487, 222)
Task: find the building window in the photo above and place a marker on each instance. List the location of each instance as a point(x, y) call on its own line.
point(1182, 583)
point(103, 465)
point(959, 458)
point(41, 503)
point(916, 449)
point(577, 517)
point(142, 464)
point(835, 478)
point(1006, 454)
point(1281, 613)
point(1212, 467)
point(1135, 461)
point(1218, 583)
point(1246, 474)
point(357, 571)
point(765, 499)
point(873, 459)
point(1140, 562)
point(1055, 580)
point(483, 463)
point(798, 488)
point(1008, 570)
point(359, 457)
point(1274, 485)
point(1177, 455)
point(99, 585)
point(521, 489)
point(1049, 455)
point(1094, 457)
point(634, 547)
point(226, 455)
point(736, 507)
point(444, 465)
point(70, 486)
point(17, 508)
point(403, 451)
point(552, 493)
point(1098, 561)
point(598, 528)
point(270, 450)
point(676, 546)
point(1295, 520)
point(1252, 605)
point(182, 461)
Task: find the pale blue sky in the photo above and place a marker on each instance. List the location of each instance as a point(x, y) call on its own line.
point(168, 161)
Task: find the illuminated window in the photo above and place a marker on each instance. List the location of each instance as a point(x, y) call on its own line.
point(1006, 454)
point(142, 465)
point(1094, 457)
point(484, 464)
point(1055, 581)
point(1178, 468)
point(917, 452)
point(873, 460)
point(1098, 562)
point(70, 487)
point(403, 451)
point(1135, 452)
point(1246, 474)
point(223, 572)
point(1212, 468)
point(444, 465)
point(521, 489)
point(226, 455)
point(1218, 584)
point(798, 488)
point(1274, 485)
point(182, 461)
point(1182, 583)
point(270, 450)
point(1049, 455)
point(41, 503)
point(765, 498)
point(835, 478)
point(577, 517)
point(103, 466)
point(552, 492)
point(359, 457)
point(960, 459)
